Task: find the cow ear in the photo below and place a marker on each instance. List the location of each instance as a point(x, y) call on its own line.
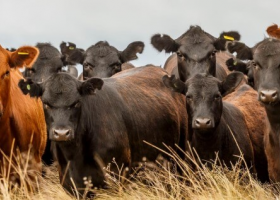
point(164, 42)
point(220, 43)
point(24, 57)
point(231, 82)
point(31, 88)
point(175, 84)
point(131, 50)
point(75, 56)
point(273, 31)
point(236, 65)
point(243, 52)
point(89, 86)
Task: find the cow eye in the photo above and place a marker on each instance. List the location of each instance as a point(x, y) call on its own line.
point(116, 65)
point(47, 106)
point(7, 73)
point(217, 97)
point(214, 53)
point(179, 54)
point(74, 105)
point(189, 97)
point(59, 69)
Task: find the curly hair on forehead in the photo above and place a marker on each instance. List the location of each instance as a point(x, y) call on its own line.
point(101, 49)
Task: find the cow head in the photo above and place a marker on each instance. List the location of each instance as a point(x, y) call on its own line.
point(102, 60)
point(22, 57)
point(195, 50)
point(264, 66)
point(62, 96)
point(204, 97)
point(50, 61)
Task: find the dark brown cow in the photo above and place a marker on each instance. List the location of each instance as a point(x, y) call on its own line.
point(21, 117)
point(196, 52)
point(265, 61)
point(88, 130)
point(103, 60)
point(216, 126)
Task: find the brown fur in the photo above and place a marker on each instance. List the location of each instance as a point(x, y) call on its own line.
point(245, 99)
point(22, 115)
point(273, 31)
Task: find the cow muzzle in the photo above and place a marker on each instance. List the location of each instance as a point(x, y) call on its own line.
point(202, 123)
point(268, 96)
point(61, 134)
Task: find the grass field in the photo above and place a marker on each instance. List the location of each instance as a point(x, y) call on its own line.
point(155, 181)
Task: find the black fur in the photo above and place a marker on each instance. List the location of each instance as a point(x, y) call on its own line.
point(164, 42)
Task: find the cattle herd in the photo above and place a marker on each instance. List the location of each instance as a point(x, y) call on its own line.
point(85, 121)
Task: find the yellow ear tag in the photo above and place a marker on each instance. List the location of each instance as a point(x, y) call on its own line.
point(228, 38)
point(28, 87)
point(71, 48)
point(23, 53)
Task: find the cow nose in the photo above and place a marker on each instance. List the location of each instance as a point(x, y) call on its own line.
point(268, 96)
point(202, 123)
point(61, 134)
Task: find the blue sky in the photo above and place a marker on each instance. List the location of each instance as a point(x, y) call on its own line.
point(120, 22)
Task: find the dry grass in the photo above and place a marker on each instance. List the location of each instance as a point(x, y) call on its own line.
point(156, 182)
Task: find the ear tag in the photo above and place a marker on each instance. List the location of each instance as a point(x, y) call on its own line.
point(235, 63)
point(23, 53)
point(71, 48)
point(175, 85)
point(28, 87)
point(228, 38)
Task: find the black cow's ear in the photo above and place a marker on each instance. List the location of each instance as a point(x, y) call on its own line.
point(131, 50)
point(31, 88)
point(164, 42)
point(174, 83)
point(231, 82)
point(237, 65)
point(243, 52)
point(220, 43)
point(89, 86)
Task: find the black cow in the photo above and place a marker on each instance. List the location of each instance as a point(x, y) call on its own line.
point(102, 60)
point(265, 61)
point(214, 124)
point(88, 130)
point(196, 52)
point(49, 62)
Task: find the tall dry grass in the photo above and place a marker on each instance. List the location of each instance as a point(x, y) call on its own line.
point(154, 181)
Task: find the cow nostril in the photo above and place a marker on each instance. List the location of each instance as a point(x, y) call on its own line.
point(262, 95)
point(208, 122)
point(197, 122)
point(274, 95)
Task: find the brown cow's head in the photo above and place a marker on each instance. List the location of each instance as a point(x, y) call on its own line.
point(102, 60)
point(204, 97)
point(195, 50)
point(22, 57)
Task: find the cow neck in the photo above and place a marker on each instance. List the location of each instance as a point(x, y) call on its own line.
point(274, 124)
point(218, 142)
point(6, 132)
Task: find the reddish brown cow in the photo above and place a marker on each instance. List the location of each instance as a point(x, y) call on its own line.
point(245, 99)
point(21, 117)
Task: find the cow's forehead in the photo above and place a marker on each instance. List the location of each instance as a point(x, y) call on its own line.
point(203, 83)
point(61, 90)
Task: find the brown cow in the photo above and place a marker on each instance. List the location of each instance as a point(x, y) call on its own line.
point(21, 117)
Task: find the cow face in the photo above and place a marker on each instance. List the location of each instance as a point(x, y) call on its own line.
point(62, 96)
point(102, 60)
point(266, 71)
point(204, 98)
point(22, 57)
point(195, 50)
point(48, 63)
